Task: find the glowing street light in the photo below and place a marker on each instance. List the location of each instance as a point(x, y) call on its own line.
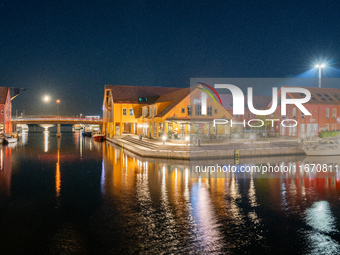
point(46, 98)
point(320, 66)
point(58, 102)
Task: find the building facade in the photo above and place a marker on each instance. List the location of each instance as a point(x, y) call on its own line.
point(324, 107)
point(156, 112)
point(5, 110)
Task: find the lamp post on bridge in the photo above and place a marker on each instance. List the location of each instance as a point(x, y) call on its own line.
point(58, 102)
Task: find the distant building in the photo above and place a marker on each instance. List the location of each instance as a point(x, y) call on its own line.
point(158, 111)
point(5, 110)
point(324, 106)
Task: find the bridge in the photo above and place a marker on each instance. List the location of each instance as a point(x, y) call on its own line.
point(55, 120)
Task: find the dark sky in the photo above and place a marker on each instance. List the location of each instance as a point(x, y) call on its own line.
point(71, 49)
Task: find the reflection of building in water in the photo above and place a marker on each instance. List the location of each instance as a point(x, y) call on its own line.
point(5, 170)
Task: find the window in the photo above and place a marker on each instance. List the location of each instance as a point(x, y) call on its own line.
point(327, 126)
point(154, 111)
point(316, 112)
point(2, 112)
point(155, 130)
point(334, 113)
point(150, 112)
point(249, 115)
point(294, 113)
point(302, 115)
point(124, 111)
point(198, 110)
point(145, 112)
point(327, 113)
point(160, 129)
point(183, 110)
point(302, 126)
point(334, 126)
point(215, 111)
point(131, 111)
point(189, 110)
point(209, 111)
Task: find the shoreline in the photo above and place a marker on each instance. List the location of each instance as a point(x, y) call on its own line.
point(211, 151)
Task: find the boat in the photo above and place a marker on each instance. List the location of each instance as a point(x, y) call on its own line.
point(98, 136)
point(87, 131)
point(10, 139)
point(322, 148)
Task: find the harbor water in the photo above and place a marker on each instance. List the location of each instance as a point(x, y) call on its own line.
point(72, 195)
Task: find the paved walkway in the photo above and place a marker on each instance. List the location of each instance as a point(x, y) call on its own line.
point(155, 148)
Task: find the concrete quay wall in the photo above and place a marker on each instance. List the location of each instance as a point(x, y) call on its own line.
point(206, 153)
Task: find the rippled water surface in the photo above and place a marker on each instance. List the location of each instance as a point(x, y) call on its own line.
point(76, 196)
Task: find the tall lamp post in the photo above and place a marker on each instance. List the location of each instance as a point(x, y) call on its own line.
point(320, 66)
point(58, 102)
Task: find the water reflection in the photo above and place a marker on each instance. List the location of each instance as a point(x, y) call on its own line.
point(5, 171)
point(199, 213)
point(46, 136)
point(323, 223)
point(99, 199)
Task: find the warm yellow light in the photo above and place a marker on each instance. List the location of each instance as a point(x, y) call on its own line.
point(58, 101)
point(46, 98)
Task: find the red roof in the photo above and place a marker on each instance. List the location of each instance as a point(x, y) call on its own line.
point(325, 96)
point(175, 97)
point(131, 94)
point(3, 94)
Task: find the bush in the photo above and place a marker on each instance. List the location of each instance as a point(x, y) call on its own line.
point(328, 134)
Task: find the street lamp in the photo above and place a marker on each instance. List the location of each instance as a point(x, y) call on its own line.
point(320, 66)
point(46, 98)
point(58, 102)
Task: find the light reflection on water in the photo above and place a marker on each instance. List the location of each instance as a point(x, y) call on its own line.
point(77, 195)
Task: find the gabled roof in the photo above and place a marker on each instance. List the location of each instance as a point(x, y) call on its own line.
point(325, 96)
point(174, 97)
point(131, 94)
point(259, 102)
point(3, 94)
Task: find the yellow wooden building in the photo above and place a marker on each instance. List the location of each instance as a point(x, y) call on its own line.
point(159, 111)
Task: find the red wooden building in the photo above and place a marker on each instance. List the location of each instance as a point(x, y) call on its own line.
point(5, 110)
point(324, 106)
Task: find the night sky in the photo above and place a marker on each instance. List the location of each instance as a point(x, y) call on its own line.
point(70, 49)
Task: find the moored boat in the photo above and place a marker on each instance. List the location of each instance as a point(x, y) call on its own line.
point(11, 139)
point(87, 131)
point(98, 136)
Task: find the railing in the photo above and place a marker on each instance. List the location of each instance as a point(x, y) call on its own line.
point(50, 117)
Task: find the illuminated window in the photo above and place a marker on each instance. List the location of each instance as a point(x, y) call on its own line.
point(327, 113)
point(154, 111)
point(131, 111)
point(150, 112)
point(124, 111)
point(189, 110)
point(198, 110)
point(209, 111)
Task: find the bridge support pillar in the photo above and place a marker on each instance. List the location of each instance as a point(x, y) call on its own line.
point(58, 130)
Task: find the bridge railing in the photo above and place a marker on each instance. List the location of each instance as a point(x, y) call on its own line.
point(53, 117)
